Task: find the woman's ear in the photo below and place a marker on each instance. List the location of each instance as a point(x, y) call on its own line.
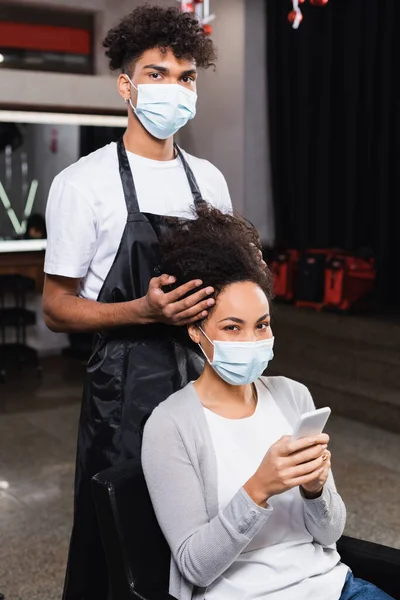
point(194, 333)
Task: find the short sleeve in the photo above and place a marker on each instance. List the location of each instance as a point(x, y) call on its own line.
point(71, 231)
point(225, 202)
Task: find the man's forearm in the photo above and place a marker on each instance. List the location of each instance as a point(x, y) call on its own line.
point(68, 313)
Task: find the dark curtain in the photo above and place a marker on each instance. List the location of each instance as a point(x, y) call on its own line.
point(335, 130)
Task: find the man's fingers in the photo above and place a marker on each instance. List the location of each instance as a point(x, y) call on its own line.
point(161, 281)
point(194, 319)
point(175, 309)
point(261, 258)
point(182, 290)
point(193, 313)
point(181, 306)
point(174, 295)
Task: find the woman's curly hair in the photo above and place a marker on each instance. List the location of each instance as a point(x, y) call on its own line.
point(215, 247)
point(150, 27)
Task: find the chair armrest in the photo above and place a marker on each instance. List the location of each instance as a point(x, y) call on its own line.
point(374, 563)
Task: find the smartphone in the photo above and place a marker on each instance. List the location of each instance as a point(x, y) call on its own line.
point(311, 423)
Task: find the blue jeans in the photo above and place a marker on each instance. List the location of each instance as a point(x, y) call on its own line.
point(358, 589)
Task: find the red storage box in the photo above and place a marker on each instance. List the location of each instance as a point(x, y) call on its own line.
point(311, 278)
point(349, 281)
point(284, 269)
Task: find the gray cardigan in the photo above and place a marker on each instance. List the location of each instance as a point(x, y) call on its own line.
point(179, 465)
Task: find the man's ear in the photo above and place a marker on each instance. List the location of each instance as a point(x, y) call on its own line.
point(124, 87)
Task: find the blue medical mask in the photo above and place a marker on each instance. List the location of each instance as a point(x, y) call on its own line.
point(239, 363)
point(163, 108)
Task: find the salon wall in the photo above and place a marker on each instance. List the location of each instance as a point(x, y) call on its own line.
point(107, 13)
point(217, 132)
point(258, 204)
point(230, 127)
point(63, 90)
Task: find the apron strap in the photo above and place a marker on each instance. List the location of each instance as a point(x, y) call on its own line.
point(194, 188)
point(128, 184)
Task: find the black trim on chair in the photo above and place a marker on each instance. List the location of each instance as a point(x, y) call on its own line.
point(375, 563)
point(137, 554)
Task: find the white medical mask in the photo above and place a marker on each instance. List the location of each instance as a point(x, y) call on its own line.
point(163, 108)
point(239, 363)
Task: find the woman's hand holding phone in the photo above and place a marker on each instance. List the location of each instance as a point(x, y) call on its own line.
point(314, 488)
point(290, 463)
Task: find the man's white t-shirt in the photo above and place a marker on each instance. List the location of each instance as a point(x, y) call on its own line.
point(86, 211)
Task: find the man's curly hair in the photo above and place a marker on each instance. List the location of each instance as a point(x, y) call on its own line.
point(215, 247)
point(150, 27)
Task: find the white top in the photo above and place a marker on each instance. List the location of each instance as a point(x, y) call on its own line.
point(86, 210)
point(22, 245)
point(281, 562)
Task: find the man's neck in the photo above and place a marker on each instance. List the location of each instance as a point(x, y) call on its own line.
point(139, 141)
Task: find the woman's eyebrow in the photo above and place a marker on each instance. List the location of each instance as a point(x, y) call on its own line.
point(234, 319)
point(263, 317)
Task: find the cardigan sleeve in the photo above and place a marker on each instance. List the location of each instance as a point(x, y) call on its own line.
point(202, 549)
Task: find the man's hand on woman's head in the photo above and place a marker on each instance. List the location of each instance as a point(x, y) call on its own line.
point(172, 307)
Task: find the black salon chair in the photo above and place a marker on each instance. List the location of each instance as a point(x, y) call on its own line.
point(138, 555)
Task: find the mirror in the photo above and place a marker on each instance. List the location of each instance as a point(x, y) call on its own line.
point(34, 148)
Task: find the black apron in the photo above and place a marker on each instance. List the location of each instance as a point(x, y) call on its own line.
point(130, 372)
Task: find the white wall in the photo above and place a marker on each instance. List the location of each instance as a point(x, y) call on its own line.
point(58, 90)
point(217, 132)
point(257, 164)
point(231, 126)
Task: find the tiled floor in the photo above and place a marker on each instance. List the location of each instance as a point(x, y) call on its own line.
point(37, 449)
